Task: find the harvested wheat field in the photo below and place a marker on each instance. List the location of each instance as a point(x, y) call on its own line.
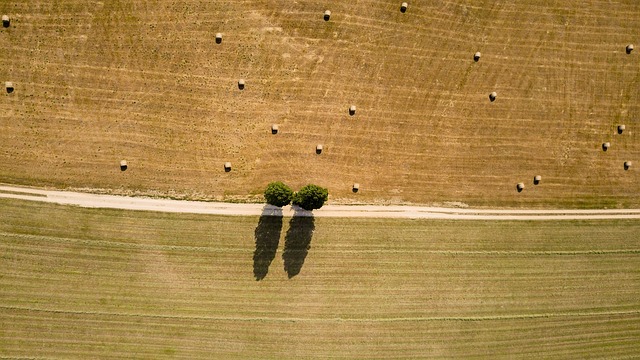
point(89, 283)
point(147, 81)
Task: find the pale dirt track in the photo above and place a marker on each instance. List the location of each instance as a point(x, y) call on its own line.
point(357, 211)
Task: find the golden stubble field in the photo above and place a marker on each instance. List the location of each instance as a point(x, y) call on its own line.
point(97, 82)
point(87, 283)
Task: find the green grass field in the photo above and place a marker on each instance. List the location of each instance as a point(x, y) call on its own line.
point(89, 283)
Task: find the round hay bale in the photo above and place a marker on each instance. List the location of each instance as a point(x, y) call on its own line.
point(227, 166)
point(403, 7)
point(520, 187)
point(319, 149)
point(629, 48)
point(476, 56)
point(241, 84)
point(627, 165)
point(9, 86)
point(352, 110)
point(537, 179)
point(493, 96)
point(606, 146)
point(123, 165)
point(355, 187)
point(621, 129)
point(218, 38)
point(327, 15)
point(274, 129)
point(6, 21)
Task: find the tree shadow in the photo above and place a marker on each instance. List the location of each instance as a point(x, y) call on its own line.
point(297, 241)
point(267, 237)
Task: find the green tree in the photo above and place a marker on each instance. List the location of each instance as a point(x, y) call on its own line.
point(278, 194)
point(311, 197)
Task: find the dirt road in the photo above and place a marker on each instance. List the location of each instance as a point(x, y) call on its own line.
point(359, 211)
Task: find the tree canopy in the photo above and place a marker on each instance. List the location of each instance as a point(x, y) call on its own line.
point(278, 194)
point(311, 197)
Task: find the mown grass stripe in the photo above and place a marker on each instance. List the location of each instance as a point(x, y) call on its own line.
point(118, 244)
point(358, 320)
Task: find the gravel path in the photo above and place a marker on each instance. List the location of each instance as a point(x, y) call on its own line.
point(357, 211)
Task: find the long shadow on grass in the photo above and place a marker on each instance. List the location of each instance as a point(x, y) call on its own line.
point(267, 236)
point(297, 241)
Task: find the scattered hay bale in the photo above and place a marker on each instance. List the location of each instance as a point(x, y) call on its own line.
point(476, 56)
point(227, 166)
point(629, 48)
point(218, 38)
point(355, 187)
point(520, 187)
point(621, 129)
point(274, 129)
point(327, 15)
point(537, 179)
point(627, 165)
point(241, 84)
point(9, 86)
point(493, 96)
point(123, 165)
point(403, 7)
point(6, 21)
point(319, 149)
point(606, 146)
point(352, 110)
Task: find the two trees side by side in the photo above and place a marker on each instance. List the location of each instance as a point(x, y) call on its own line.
point(310, 197)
